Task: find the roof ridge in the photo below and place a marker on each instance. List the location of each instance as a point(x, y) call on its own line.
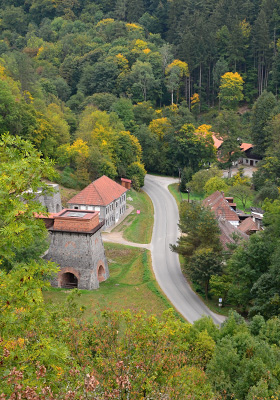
point(93, 183)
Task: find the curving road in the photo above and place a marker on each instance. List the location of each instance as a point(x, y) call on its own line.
point(166, 264)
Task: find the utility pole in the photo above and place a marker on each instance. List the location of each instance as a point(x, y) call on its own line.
point(179, 169)
point(188, 191)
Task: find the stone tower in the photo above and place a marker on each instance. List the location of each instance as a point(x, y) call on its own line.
point(52, 201)
point(76, 245)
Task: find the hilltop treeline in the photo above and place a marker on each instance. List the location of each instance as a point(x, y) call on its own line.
point(118, 87)
point(212, 37)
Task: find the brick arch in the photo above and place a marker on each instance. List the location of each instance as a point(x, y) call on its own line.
point(101, 271)
point(65, 271)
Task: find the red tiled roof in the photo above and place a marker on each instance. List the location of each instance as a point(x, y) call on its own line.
point(248, 225)
point(246, 146)
point(99, 193)
point(218, 204)
point(217, 142)
point(228, 231)
point(126, 180)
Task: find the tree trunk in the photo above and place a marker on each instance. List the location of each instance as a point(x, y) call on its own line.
point(229, 171)
point(189, 92)
point(206, 290)
point(274, 41)
point(200, 83)
point(186, 89)
point(209, 85)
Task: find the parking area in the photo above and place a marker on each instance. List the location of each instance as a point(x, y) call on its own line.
point(248, 171)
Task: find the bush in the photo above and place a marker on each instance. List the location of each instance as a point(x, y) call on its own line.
point(68, 178)
point(136, 169)
point(135, 183)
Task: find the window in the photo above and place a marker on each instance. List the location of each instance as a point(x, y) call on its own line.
point(76, 207)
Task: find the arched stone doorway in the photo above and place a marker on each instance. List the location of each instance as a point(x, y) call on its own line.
point(69, 281)
point(68, 278)
point(101, 273)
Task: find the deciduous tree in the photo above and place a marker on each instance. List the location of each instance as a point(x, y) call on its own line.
point(231, 89)
point(22, 171)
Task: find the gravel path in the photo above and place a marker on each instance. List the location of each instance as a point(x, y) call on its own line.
point(117, 237)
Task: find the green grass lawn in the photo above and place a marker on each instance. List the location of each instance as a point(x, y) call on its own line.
point(131, 285)
point(239, 205)
point(173, 189)
point(138, 228)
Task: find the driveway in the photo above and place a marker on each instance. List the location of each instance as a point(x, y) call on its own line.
point(166, 264)
point(247, 171)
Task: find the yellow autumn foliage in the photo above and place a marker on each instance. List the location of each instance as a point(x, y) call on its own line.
point(79, 147)
point(122, 62)
point(160, 126)
point(195, 100)
point(184, 68)
point(134, 27)
point(245, 28)
point(140, 44)
point(204, 128)
point(105, 22)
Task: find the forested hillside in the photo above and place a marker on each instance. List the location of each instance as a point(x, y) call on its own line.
point(212, 37)
point(133, 72)
point(121, 87)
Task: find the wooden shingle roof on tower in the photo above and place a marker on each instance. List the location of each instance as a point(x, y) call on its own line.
point(101, 192)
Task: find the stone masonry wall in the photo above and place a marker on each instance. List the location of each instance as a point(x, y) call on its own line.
point(80, 254)
point(53, 201)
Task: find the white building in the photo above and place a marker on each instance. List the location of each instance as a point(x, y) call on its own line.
point(103, 195)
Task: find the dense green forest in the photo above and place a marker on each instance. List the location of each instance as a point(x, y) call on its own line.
point(213, 37)
point(154, 71)
point(120, 88)
point(87, 82)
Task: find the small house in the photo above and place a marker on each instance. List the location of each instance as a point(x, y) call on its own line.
point(222, 208)
point(126, 183)
point(248, 156)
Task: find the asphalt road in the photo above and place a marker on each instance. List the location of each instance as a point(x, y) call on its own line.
point(166, 264)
